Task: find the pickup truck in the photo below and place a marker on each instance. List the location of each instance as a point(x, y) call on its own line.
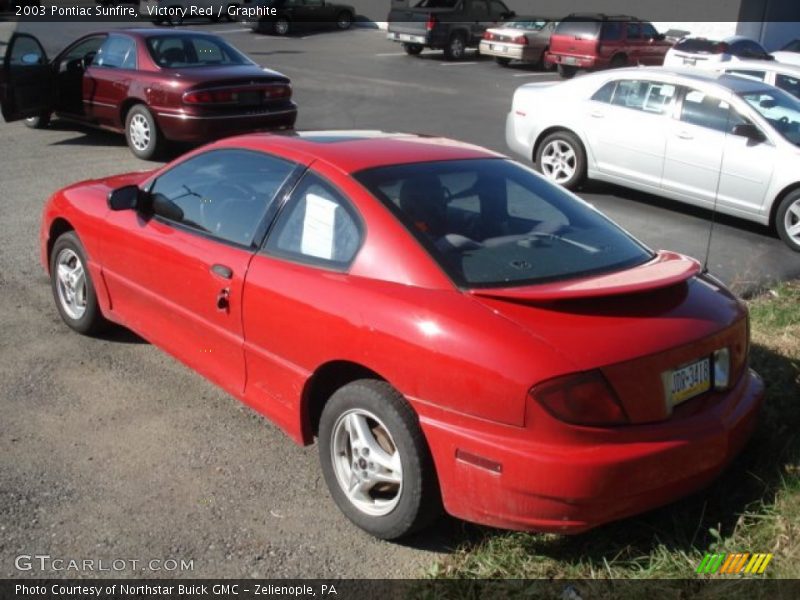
point(449, 25)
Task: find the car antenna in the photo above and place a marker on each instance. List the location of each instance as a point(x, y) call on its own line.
point(716, 189)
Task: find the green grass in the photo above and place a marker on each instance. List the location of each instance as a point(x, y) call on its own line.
point(753, 507)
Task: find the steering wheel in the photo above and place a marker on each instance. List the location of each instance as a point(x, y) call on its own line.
point(212, 210)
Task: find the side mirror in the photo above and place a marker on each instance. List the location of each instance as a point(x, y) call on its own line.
point(749, 131)
point(660, 37)
point(166, 208)
point(88, 59)
point(125, 198)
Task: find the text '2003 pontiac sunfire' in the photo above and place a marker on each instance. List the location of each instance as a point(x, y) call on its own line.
point(457, 331)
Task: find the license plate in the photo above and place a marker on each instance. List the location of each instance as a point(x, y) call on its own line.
point(689, 381)
point(499, 48)
point(249, 98)
point(570, 60)
point(689, 61)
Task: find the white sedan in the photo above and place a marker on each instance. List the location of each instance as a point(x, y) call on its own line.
point(781, 75)
point(704, 53)
point(713, 140)
point(789, 54)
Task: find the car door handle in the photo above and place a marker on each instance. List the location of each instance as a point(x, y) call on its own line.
point(597, 114)
point(222, 271)
point(685, 135)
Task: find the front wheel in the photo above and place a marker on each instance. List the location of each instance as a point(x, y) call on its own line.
point(142, 134)
point(787, 220)
point(280, 27)
point(73, 289)
point(40, 121)
point(376, 462)
point(412, 49)
point(344, 20)
point(562, 160)
point(456, 48)
point(502, 61)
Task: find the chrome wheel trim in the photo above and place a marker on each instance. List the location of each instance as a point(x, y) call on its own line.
point(140, 133)
point(344, 21)
point(791, 221)
point(71, 283)
point(281, 26)
point(559, 161)
point(366, 462)
point(457, 47)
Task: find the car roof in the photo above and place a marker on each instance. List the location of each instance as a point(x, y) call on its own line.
point(153, 31)
point(762, 65)
point(732, 82)
point(357, 150)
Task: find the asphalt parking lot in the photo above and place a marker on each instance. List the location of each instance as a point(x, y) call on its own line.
point(113, 450)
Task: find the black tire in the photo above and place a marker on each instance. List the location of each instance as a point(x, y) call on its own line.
point(456, 48)
point(412, 49)
point(502, 61)
point(566, 71)
point(144, 119)
point(787, 217)
point(38, 122)
point(570, 140)
point(344, 20)
point(281, 26)
point(618, 61)
point(91, 321)
point(418, 501)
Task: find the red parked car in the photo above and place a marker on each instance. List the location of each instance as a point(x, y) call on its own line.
point(598, 41)
point(151, 84)
point(453, 328)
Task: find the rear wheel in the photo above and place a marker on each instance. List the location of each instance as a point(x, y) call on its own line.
point(344, 20)
point(456, 47)
point(787, 220)
point(502, 61)
point(566, 71)
point(375, 460)
point(619, 61)
point(142, 133)
point(40, 121)
point(72, 285)
point(413, 49)
point(280, 26)
point(562, 159)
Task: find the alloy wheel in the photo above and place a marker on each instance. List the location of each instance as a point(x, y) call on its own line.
point(366, 462)
point(791, 221)
point(71, 283)
point(558, 161)
point(140, 133)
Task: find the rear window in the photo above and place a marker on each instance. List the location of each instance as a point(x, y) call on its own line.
point(699, 46)
point(181, 51)
point(578, 28)
point(436, 4)
point(495, 223)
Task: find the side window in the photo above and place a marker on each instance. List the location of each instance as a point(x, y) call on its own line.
point(223, 193)
point(605, 93)
point(634, 31)
point(788, 84)
point(612, 30)
point(118, 52)
point(648, 96)
point(757, 75)
point(478, 8)
point(707, 111)
point(497, 8)
point(80, 51)
point(26, 51)
point(317, 226)
point(648, 31)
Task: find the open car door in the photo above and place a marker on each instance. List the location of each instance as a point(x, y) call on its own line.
point(27, 88)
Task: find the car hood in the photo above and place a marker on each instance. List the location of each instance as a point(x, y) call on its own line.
point(632, 336)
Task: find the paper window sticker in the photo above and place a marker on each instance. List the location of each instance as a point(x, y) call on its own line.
point(668, 91)
point(695, 96)
point(318, 227)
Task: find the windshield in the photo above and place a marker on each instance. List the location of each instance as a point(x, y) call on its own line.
point(495, 223)
point(531, 25)
point(780, 109)
point(181, 51)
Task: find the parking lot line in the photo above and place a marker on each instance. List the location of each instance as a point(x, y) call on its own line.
point(459, 64)
point(239, 30)
point(391, 54)
point(531, 74)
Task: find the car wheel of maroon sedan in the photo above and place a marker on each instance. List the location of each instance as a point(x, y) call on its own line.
point(39, 121)
point(375, 461)
point(142, 133)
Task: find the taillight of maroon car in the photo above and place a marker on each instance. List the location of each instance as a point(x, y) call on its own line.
point(244, 96)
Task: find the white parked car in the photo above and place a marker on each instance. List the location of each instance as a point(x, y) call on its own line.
point(789, 54)
point(709, 139)
point(705, 53)
point(781, 75)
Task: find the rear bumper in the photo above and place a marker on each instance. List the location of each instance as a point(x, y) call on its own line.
point(572, 487)
point(408, 38)
point(510, 51)
point(182, 127)
point(580, 62)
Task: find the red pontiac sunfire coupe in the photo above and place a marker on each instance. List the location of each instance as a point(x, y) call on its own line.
point(455, 330)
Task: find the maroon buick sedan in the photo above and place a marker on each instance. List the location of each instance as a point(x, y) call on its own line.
point(150, 84)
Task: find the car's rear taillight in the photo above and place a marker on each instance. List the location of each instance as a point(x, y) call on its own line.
point(238, 95)
point(521, 39)
point(430, 23)
point(488, 35)
point(581, 399)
